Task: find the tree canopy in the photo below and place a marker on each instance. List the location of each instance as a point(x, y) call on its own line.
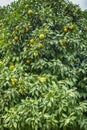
point(43, 66)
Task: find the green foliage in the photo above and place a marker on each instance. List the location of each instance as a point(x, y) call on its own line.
point(43, 66)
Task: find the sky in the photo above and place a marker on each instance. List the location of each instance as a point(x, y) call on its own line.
point(82, 3)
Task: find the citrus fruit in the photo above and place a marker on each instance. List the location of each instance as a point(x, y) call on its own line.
point(41, 36)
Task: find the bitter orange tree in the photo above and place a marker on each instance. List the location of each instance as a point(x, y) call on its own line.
point(43, 66)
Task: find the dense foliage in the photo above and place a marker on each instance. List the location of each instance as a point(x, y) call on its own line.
point(43, 66)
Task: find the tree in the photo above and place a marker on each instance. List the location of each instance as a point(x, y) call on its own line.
point(43, 66)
